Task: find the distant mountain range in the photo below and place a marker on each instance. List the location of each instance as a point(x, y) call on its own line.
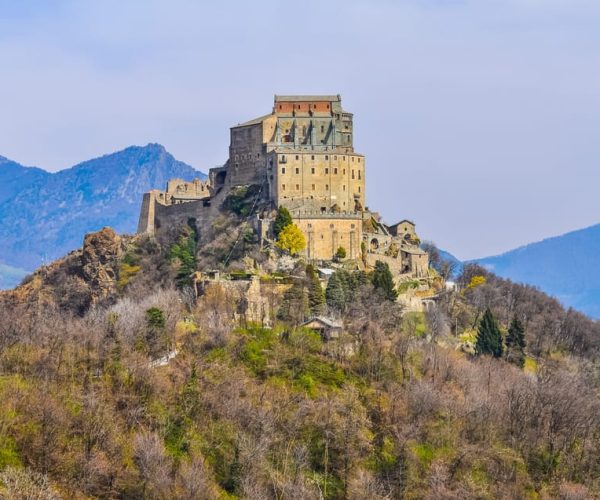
point(45, 215)
point(567, 267)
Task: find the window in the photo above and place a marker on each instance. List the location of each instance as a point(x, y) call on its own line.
point(335, 171)
point(335, 157)
point(326, 170)
point(326, 187)
point(297, 187)
point(359, 160)
point(236, 157)
point(359, 189)
point(353, 226)
point(327, 157)
point(258, 155)
point(344, 158)
point(313, 187)
point(312, 170)
point(353, 174)
point(359, 174)
point(297, 170)
point(282, 157)
point(280, 106)
point(353, 158)
point(322, 128)
point(283, 187)
point(344, 172)
point(283, 170)
point(344, 187)
point(328, 106)
point(297, 157)
point(312, 157)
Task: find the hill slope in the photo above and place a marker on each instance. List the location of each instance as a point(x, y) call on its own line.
point(44, 215)
point(566, 266)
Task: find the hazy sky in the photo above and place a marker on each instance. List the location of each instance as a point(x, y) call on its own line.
point(480, 119)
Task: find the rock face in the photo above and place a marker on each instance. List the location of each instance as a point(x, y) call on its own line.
point(99, 260)
point(74, 283)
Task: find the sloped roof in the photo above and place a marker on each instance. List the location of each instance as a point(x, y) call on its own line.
point(326, 321)
point(254, 121)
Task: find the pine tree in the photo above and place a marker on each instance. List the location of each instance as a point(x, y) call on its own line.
point(515, 343)
point(294, 305)
point(316, 297)
point(336, 292)
point(489, 338)
point(282, 220)
point(383, 280)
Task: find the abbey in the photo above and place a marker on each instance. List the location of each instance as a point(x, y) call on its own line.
point(300, 156)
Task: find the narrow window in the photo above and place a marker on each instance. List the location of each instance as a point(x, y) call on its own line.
point(353, 174)
point(326, 170)
point(344, 172)
point(297, 157)
point(322, 128)
point(359, 189)
point(297, 187)
point(312, 170)
point(344, 187)
point(327, 157)
point(326, 187)
point(359, 174)
point(335, 170)
point(313, 187)
point(283, 187)
point(283, 170)
point(297, 170)
point(359, 160)
point(353, 158)
point(312, 157)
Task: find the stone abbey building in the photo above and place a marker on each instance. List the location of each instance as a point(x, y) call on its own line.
point(302, 157)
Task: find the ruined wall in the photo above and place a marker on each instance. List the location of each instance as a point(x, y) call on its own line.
point(324, 235)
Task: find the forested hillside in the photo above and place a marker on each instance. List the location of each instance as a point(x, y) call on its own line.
point(142, 390)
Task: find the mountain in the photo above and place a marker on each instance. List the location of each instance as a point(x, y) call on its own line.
point(45, 215)
point(567, 267)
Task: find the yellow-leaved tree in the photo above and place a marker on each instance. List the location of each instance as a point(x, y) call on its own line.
point(291, 239)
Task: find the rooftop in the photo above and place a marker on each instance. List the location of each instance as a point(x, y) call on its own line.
point(307, 98)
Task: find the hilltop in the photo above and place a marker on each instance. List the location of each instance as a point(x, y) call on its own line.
point(44, 214)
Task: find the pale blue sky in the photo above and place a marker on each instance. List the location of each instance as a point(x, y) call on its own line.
point(479, 119)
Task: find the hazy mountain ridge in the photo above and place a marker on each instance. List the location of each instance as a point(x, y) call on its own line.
point(44, 215)
point(565, 266)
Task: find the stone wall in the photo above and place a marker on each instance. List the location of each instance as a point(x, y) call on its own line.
point(332, 180)
point(325, 234)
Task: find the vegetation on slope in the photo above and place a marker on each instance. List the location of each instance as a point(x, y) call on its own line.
point(151, 394)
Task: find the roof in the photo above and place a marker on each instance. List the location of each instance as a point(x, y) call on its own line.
point(413, 250)
point(254, 121)
point(326, 321)
point(305, 98)
point(403, 221)
point(325, 271)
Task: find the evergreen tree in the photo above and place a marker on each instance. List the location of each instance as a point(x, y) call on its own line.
point(294, 305)
point(282, 220)
point(316, 297)
point(489, 338)
point(383, 280)
point(515, 343)
point(337, 291)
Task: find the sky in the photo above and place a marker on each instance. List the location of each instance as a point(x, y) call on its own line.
point(479, 119)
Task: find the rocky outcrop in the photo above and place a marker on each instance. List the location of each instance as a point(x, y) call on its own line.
point(99, 260)
point(77, 281)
